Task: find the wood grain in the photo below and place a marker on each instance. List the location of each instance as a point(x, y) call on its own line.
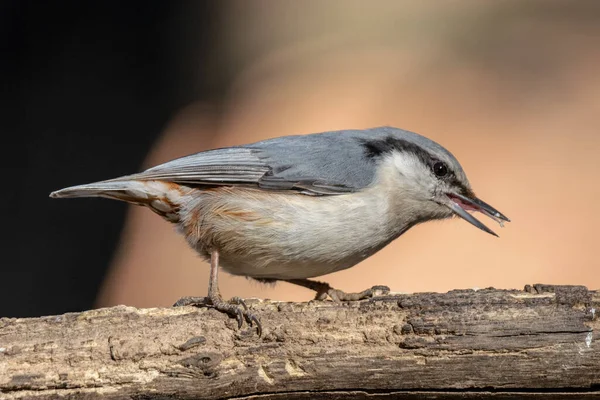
point(542, 342)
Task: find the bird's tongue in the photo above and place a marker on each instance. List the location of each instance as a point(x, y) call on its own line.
point(464, 205)
point(461, 204)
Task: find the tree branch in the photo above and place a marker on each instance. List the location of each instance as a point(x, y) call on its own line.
point(461, 344)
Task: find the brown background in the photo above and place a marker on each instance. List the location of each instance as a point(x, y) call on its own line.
point(512, 88)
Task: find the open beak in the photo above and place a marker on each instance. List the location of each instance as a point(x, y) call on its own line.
point(461, 204)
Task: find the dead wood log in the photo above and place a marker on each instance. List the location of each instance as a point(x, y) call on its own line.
point(542, 342)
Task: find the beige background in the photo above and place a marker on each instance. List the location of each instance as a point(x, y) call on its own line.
point(512, 88)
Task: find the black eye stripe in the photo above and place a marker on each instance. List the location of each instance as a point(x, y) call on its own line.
point(377, 148)
point(380, 147)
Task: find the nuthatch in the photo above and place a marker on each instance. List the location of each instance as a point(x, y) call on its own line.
point(296, 207)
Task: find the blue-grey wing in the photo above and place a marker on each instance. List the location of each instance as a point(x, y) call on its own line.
point(235, 165)
point(327, 163)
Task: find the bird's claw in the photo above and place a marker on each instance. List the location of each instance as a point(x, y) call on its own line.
point(338, 295)
point(250, 318)
point(379, 290)
point(239, 301)
point(192, 301)
point(236, 307)
point(253, 319)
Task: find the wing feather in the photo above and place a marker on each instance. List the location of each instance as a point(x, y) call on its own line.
point(319, 164)
point(220, 166)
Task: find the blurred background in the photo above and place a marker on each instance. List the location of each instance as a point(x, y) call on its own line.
point(95, 90)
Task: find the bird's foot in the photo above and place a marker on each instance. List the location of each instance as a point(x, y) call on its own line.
point(338, 295)
point(236, 307)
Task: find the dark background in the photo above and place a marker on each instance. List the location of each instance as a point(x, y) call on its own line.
point(91, 90)
point(87, 88)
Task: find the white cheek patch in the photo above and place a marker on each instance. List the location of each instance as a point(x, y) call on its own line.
point(409, 166)
point(406, 171)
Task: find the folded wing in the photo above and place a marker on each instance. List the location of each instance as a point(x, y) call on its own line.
point(317, 164)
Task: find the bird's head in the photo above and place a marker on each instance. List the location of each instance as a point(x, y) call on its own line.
point(427, 179)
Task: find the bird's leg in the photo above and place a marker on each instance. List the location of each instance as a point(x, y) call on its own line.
point(235, 307)
point(324, 290)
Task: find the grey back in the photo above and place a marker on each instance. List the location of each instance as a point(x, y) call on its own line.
point(325, 163)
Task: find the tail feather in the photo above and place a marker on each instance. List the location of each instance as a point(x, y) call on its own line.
point(131, 191)
point(161, 197)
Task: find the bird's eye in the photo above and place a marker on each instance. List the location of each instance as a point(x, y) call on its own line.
point(440, 169)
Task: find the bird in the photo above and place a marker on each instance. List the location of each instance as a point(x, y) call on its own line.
point(297, 207)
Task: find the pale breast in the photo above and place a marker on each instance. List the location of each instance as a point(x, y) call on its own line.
point(285, 235)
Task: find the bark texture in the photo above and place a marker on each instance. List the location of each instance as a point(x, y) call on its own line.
point(542, 343)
